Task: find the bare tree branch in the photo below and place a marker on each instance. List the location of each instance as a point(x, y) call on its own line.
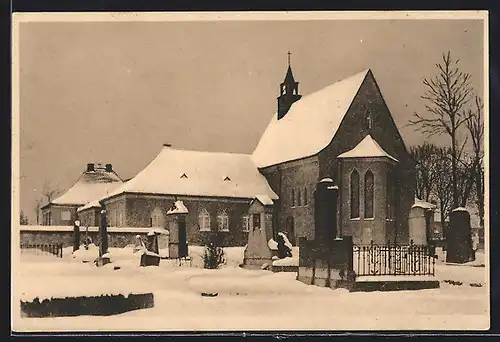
point(446, 96)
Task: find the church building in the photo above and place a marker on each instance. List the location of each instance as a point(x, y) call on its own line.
point(344, 131)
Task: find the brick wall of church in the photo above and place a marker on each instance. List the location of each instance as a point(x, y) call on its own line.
point(138, 209)
point(88, 217)
point(351, 131)
point(297, 175)
point(365, 230)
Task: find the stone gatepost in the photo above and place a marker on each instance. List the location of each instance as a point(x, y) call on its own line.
point(177, 246)
point(104, 257)
point(325, 212)
point(76, 235)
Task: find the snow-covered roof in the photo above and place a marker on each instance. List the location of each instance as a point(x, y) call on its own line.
point(423, 204)
point(460, 209)
point(310, 124)
point(264, 199)
point(90, 186)
point(197, 173)
point(368, 147)
point(179, 208)
point(157, 230)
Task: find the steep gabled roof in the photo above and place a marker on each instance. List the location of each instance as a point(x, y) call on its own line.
point(310, 124)
point(90, 185)
point(368, 147)
point(197, 173)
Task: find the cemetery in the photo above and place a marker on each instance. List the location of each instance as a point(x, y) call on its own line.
point(91, 278)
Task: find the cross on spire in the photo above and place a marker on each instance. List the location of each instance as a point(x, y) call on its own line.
point(289, 54)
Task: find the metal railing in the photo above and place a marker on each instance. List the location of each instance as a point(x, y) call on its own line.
point(43, 249)
point(408, 260)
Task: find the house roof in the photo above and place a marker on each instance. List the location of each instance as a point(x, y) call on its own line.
point(368, 147)
point(197, 173)
point(90, 185)
point(310, 124)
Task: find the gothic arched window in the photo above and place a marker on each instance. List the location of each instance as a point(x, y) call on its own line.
point(354, 190)
point(369, 194)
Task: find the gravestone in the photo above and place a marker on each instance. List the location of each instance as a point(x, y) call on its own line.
point(459, 239)
point(150, 256)
point(419, 222)
point(257, 253)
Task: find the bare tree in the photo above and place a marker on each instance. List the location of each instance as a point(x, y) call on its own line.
point(442, 189)
point(49, 191)
point(23, 219)
point(475, 125)
point(425, 157)
point(465, 179)
point(447, 95)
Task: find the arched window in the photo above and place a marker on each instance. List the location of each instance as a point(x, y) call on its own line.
point(305, 195)
point(369, 194)
point(299, 199)
point(354, 185)
point(156, 219)
point(223, 222)
point(204, 220)
point(293, 197)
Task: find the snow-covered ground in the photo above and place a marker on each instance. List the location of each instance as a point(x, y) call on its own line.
point(246, 300)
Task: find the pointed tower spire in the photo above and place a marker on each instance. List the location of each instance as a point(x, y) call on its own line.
point(289, 91)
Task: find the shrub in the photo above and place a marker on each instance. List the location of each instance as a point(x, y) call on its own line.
point(213, 256)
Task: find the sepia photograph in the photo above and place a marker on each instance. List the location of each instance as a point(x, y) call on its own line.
point(250, 171)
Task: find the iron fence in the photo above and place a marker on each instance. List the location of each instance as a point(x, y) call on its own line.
point(408, 260)
point(43, 249)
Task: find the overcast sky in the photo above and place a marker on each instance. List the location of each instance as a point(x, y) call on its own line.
point(115, 92)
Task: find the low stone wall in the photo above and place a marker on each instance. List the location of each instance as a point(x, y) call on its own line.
point(104, 305)
point(117, 236)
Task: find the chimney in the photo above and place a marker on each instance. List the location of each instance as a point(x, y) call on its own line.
point(90, 167)
point(109, 168)
point(167, 145)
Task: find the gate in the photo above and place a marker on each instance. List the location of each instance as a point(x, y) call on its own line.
point(408, 260)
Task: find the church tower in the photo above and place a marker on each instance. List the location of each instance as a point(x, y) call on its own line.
point(289, 92)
